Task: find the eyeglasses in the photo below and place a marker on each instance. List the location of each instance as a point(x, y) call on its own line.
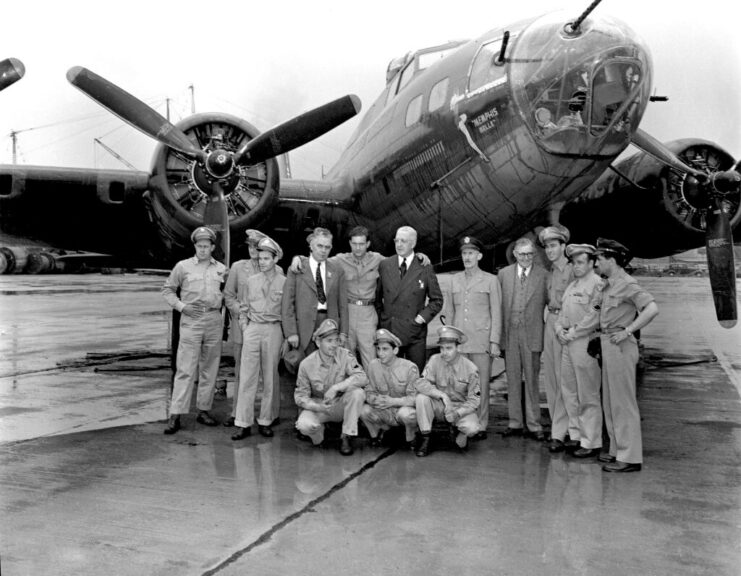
point(526, 254)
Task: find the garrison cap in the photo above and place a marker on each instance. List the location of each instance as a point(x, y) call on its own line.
point(472, 243)
point(451, 334)
point(326, 328)
point(556, 232)
point(254, 236)
point(607, 246)
point(576, 249)
point(267, 244)
point(203, 233)
point(383, 335)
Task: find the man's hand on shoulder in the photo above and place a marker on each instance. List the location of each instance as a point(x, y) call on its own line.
point(296, 266)
point(423, 259)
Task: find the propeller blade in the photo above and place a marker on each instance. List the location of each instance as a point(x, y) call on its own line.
point(11, 70)
point(652, 146)
point(719, 244)
point(298, 131)
point(216, 217)
point(131, 110)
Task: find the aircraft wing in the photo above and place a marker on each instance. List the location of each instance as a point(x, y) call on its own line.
point(78, 209)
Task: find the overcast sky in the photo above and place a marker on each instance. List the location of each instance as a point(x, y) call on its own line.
point(268, 61)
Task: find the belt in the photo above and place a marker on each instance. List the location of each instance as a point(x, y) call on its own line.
point(611, 330)
point(368, 302)
point(322, 311)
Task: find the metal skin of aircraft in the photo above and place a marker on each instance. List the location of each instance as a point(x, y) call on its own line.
point(491, 137)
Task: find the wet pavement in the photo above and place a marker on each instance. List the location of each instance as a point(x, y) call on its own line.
point(90, 485)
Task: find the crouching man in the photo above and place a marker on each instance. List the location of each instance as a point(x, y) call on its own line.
point(391, 390)
point(329, 388)
point(449, 389)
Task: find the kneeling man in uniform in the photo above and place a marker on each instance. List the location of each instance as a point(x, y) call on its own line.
point(390, 393)
point(329, 388)
point(449, 389)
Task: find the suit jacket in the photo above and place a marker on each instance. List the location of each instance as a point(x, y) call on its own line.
point(298, 307)
point(399, 300)
point(536, 298)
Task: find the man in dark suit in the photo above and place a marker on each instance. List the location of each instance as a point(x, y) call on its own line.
point(524, 297)
point(314, 294)
point(408, 297)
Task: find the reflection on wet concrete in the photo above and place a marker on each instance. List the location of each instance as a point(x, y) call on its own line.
point(118, 497)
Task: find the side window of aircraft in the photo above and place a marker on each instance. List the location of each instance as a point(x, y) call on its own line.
point(483, 70)
point(613, 84)
point(414, 111)
point(438, 95)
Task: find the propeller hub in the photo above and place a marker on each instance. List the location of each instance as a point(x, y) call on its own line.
point(724, 182)
point(220, 163)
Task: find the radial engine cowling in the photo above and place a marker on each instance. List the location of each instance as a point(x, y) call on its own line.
point(665, 215)
point(179, 186)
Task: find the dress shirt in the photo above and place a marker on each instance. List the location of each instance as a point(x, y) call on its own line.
point(199, 284)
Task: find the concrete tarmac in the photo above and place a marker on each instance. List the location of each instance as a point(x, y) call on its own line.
point(90, 485)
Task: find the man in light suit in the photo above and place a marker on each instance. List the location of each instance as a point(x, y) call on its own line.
point(524, 297)
point(408, 297)
point(316, 293)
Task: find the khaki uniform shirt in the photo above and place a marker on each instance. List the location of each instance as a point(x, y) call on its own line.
point(559, 278)
point(578, 302)
point(360, 277)
point(315, 376)
point(263, 297)
point(622, 299)
point(199, 284)
point(458, 379)
point(477, 310)
point(397, 379)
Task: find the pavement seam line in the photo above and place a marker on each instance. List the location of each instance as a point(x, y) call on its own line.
point(268, 534)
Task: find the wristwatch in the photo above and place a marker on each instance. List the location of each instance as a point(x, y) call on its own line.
point(629, 331)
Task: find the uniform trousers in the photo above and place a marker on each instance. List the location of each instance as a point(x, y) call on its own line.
point(561, 418)
point(363, 323)
point(622, 418)
point(261, 344)
point(580, 383)
point(199, 353)
point(483, 363)
point(518, 359)
point(416, 351)
point(237, 352)
point(346, 409)
point(377, 419)
point(429, 409)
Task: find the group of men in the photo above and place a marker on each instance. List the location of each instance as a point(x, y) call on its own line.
point(355, 324)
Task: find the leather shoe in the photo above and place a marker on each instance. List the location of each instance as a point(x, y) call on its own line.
point(205, 419)
point(275, 422)
point(266, 431)
point(605, 457)
point(376, 442)
point(229, 422)
point(572, 446)
point(346, 448)
point(242, 433)
point(556, 446)
point(512, 432)
point(423, 449)
point(173, 424)
point(586, 452)
point(480, 436)
point(618, 466)
point(538, 436)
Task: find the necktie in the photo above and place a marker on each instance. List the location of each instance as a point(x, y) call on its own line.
point(320, 295)
point(403, 268)
point(523, 277)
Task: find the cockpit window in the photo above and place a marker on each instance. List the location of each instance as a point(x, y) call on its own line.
point(483, 70)
point(613, 84)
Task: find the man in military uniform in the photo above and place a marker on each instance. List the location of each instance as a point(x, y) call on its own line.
point(625, 308)
point(554, 239)
point(523, 301)
point(580, 372)
point(199, 279)
point(259, 320)
point(329, 388)
point(477, 311)
point(390, 392)
point(449, 390)
point(234, 293)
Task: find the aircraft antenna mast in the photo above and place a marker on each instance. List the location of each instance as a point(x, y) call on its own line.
point(573, 27)
point(115, 154)
point(14, 139)
point(167, 108)
point(192, 99)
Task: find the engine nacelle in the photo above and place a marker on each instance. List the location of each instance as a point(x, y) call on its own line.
point(179, 186)
point(664, 215)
